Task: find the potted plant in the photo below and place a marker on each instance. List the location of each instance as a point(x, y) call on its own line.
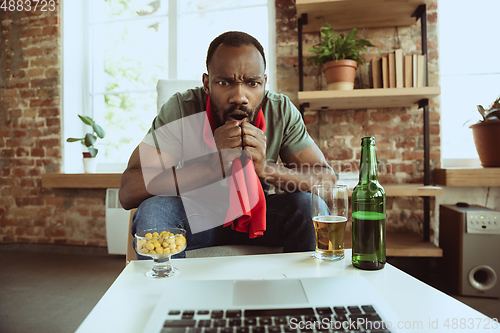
point(486, 135)
point(89, 160)
point(338, 56)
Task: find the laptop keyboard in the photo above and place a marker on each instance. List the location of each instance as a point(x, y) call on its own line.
point(293, 320)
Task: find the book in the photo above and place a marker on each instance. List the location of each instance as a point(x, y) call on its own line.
point(392, 70)
point(398, 60)
point(376, 73)
point(408, 71)
point(415, 69)
point(421, 71)
point(385, 73)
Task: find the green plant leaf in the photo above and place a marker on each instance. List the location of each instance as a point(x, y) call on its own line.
point(87, 120)
point(90, 139)
point(98, 130)
point(93, 151)
point(74, 139)
point(335, 46)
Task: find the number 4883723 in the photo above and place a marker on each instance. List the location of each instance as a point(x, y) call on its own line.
point(471, 323)
point(28, 5)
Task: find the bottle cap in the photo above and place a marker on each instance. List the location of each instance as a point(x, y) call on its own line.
point(368, 140)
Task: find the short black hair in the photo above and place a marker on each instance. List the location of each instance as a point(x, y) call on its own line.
point(235, 39)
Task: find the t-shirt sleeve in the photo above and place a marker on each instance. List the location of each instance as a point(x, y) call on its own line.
point(165, 131)
point(295, 136)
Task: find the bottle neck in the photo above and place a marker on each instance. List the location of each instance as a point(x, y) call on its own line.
point(368, 164)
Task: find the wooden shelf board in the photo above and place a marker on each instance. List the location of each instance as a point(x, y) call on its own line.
point(112, 180)
point(348, 14)
point(404, 245)
point(467, 177)
point(366, 98)
point(412, 190)
point(81, 180)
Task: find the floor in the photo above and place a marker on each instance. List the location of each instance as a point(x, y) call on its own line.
point(53, 288)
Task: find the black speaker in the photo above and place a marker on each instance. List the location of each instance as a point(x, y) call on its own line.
point(470, 238)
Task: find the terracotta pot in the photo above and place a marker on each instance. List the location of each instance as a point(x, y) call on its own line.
point(340, 74)
point(487, 139)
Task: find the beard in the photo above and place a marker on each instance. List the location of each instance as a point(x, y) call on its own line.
point(251, 113)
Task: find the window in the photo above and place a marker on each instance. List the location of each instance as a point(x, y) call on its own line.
point(115, 51)
point(470, 72)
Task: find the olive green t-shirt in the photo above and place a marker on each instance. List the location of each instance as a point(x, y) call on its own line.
point(286, 132)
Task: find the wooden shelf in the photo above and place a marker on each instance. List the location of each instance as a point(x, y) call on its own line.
point(348, 14)
point(112, 180)
point(366, 98)
point(81, 180)
point(404, 245)
point(409, 190)
point(412, 190)
point(467, 177)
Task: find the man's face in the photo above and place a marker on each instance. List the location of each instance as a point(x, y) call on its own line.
point(235, 83)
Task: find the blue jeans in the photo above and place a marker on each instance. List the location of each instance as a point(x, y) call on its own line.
point(288, 223)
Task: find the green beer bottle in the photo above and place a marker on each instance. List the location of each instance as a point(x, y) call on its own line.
point(368, 212)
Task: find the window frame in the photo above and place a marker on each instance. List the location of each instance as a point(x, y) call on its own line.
point(77, 76)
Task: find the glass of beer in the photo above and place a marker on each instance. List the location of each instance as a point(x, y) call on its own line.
point(330, 208)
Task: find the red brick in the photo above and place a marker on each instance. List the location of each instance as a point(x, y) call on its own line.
point(27, 93)
point(53, 122)
point(18, 85)
point(373, 130)
point(99, 213)
point(44, 102)
point(37, 152)
point(50, 31)
point(17, 172)
point(49, 143)
point(33, 52)
point(38, 83)
point(48, 112)
point(54, 232)
point(22, 152)
point(9, 93)
point(381, 116)
point(387, 154)
point(31, 32)
point(7, 152)
point(44, 62)
point(360, 116)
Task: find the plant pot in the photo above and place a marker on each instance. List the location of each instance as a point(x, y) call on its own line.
point(487, 139)
point(340, 74)
point(89, 163)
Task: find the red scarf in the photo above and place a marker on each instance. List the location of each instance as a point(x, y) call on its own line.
point(245, 190)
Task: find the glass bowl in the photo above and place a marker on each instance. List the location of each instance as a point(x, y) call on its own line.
point(160, 244)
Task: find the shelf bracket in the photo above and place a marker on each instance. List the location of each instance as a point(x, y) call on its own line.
point(421, 13)
point(301, 22)
point(424, 104)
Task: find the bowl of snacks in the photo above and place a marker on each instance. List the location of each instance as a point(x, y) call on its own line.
point(161, 244)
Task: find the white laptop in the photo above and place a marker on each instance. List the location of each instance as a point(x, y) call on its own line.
point(323, 304)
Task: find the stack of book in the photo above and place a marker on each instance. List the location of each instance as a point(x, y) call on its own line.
point(396, 70)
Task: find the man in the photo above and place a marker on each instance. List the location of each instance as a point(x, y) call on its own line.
point(238, 108)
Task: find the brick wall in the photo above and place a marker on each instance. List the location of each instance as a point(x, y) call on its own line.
point(398, 131)
point(30, 138)
point(30, 128)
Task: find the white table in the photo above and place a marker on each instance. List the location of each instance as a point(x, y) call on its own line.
point(127, 304)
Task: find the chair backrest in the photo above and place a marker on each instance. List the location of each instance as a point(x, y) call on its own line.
point(166, 88)
point(130, 255)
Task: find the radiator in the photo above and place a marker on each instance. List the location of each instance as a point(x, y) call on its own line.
point(117, 220)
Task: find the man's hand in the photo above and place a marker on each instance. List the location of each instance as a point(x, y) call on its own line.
point(229, 143)
point(228, 136)
point(254, 143)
